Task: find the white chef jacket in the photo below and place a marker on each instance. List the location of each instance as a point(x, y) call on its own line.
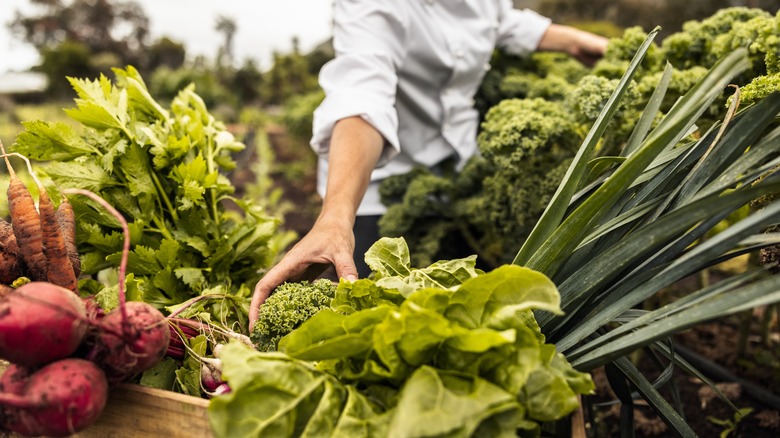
point(411, 69)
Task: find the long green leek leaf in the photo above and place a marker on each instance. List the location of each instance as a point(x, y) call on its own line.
point(557, 206)
point(567, 236)
point(648, 115)
point(666, 311)
point(763, 292)
point(744, 132)
point(664, 410)
point(682, 266)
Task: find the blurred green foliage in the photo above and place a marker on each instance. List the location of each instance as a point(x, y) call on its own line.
point(298, 112)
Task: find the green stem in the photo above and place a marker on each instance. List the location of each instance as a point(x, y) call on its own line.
point(161, 228)
point(163, 196)
point(211, 168)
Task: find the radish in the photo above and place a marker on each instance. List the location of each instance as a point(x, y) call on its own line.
point(59, 399)
point(133, 337)
point(39, 323)
point(210, 377)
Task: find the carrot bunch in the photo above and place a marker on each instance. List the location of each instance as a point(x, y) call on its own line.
point(39, 244)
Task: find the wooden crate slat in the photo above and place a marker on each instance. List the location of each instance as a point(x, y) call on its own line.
point(136, 411)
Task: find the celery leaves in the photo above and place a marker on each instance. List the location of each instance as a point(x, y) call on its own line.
point(163, 169)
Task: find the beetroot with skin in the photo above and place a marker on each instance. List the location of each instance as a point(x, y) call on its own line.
point(39, 323)
point(14, 379)
point(143, 342)
point(60, 399)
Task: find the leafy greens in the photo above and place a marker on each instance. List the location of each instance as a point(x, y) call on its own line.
point(445, 350)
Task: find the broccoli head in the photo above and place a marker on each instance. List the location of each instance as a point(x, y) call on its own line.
point(287, 308)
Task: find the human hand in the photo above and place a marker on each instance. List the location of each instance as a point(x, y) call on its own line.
point(584, 46)
point(329, 242)
point(588, 47)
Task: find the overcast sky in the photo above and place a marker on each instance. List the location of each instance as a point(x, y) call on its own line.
point(262, 27)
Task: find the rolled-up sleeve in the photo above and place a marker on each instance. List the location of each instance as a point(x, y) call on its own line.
point(519, 30)
point(369, 38)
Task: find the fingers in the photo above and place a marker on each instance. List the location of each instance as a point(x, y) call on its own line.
point(259, 296)
point(589, 48)
point(345, 266)
point(313, 272)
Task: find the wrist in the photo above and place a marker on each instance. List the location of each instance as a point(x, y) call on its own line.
point(336, 216)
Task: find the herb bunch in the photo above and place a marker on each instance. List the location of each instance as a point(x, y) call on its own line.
point(164, 170)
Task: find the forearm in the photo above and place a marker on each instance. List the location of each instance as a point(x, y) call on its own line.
point(557, 38)
point(354, 151)
point(585, 46)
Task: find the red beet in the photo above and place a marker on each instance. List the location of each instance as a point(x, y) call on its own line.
point(58, 400)
point(131, 345)
point(39, 323)
point(133, 337)
point(14, 378)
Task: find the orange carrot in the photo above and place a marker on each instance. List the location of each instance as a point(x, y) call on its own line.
point(27, 228)
point(26, 224)
point(67, 222)
point(10, 268)
point(58, 268)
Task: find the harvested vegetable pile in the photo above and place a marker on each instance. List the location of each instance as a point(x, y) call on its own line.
point(64, 352)
point(437, 351)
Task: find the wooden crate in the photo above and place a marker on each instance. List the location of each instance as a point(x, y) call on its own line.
point(139, 412)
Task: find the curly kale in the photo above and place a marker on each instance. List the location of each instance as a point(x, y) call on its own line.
point(529, 144)
point(681, 82)
point(552, 87)
point(548, 75)
point(763, 36)
point(290, 306)
point(394, 187)
point(490, 206)
point(621, 50)
point(591, 96)
point(760, 88)
point(515, 129)
point(423, 214)
point(694, 44)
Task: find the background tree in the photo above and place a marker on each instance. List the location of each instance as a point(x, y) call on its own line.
point(69, 58)
point(110, 33)
point(119, 27)
point(227, 27)
point(166, 52)
point(247, 82)
point(289, 76)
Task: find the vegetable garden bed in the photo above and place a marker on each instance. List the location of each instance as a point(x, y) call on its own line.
point(140, 412)
point(444, 350)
